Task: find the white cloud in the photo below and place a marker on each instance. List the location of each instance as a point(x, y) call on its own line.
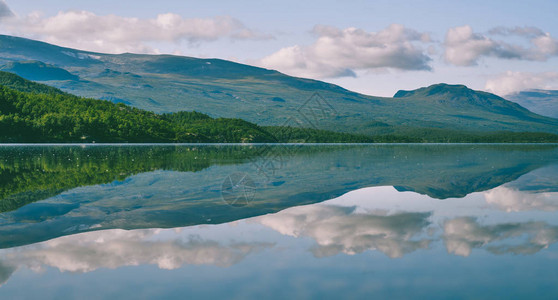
point(338, 229)
point(462, 235)
point(338, 53)
point(90, 251)
point(512, 82)
point(342, 230)
point(512, 200)
point(463, 47)
point(116, 34)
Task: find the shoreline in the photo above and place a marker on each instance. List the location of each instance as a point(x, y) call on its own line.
point(249, 144)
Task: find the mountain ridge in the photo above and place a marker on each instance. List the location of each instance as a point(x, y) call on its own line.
point(543, 102)
point(220, 88)
point(432, 89)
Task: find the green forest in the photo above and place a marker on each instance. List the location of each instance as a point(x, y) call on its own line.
point(35, 113)
point(31, 112)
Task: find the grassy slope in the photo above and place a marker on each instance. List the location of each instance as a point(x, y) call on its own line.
point(224, 89)
point(32, 112)
point(43, 114)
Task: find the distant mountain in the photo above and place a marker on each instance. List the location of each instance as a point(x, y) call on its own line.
point(542, 102)
point(219, 88)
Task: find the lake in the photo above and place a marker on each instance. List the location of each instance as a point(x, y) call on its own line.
point(279, 221)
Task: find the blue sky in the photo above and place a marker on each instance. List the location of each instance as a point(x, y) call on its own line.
point(374, 47)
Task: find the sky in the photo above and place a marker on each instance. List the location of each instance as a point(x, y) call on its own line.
point(372, 47)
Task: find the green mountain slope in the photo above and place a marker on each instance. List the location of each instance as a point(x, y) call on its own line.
point(219, 88)
point(33, 112)
point(43, 114)
point(462, 106)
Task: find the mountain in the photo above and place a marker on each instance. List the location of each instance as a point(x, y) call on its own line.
point(36, 113)
point(542, 102)
point(32, 112)
point(219, 88)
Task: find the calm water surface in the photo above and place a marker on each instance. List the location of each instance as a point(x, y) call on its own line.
point(279, 222)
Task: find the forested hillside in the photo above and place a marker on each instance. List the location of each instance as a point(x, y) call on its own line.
point(35, 113)
point(32, 112)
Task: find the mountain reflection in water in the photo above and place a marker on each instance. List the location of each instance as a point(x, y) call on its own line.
point(314, 207)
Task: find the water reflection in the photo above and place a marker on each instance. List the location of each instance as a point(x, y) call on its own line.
point(5, 272)
point(338, 229)
point(29, 174)
point(49, 192)
point(117, 248)
point(353, 224)
point(461, 235)
point(512, 200)
point(326, 210)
